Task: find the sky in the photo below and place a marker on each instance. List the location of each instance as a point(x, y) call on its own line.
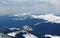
point(29, 6)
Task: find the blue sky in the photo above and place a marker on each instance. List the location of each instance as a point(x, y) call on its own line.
point(29, 6)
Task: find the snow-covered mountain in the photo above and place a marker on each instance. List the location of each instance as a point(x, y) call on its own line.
point(48, 17)
point(30, 25)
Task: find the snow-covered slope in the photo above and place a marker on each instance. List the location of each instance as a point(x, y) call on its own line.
point(27, 35)
point(51, 36)
point(13, 34)
point(14, 28)
point(26, 27)
point(23, 30)
point(21, 14)
point(49, 17)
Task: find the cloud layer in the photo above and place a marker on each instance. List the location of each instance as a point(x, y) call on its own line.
point(29, 6)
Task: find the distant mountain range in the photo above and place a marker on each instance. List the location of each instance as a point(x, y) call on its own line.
point(48, 17)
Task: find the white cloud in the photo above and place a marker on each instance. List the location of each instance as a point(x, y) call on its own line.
point(55, 2)
point(50, 1)
point(12, 6)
